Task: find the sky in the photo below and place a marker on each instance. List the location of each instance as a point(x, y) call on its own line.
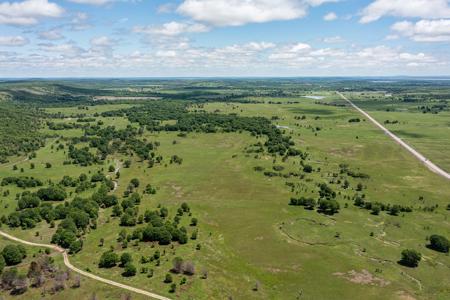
point(219, 38)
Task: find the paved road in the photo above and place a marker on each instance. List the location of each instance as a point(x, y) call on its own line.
point(86, 274)
point(414, 152)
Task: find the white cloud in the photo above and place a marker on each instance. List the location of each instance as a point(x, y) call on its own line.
point(102, 41)
point(330, 16)
point(13, 41)
point(166, 8)
point(238, 12)
point(169, 53)
point(391, 37)
point(424, 30)
point(184, 59)
point(333, 39)
point(51, 35)
point(66, 49)
point(80, 22)
point(28, 12)
point(172, 29)
point(371, 58)
point(319, 2)
point(430, 9)
point(91, 2)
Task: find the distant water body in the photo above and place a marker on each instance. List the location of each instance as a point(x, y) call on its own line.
point(314, 97)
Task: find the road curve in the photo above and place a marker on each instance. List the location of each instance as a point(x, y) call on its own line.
point(86, 274)
point(414, 152)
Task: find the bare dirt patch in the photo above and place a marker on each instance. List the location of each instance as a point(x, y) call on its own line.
point(404, 296)
point(364, 277)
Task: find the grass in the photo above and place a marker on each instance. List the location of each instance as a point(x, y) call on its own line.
point(429, 133)
point(87, 289)
point(247, 231)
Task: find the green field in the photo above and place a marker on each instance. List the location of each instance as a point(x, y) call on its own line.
point(252, 243)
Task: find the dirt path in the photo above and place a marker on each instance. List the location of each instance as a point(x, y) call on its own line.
point(414, 152)
point(86, 274)
point(15, 162)
point(116, 170)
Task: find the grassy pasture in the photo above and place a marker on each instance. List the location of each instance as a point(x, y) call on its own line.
point(427, 132)
point(247, 231)
point(87, 289)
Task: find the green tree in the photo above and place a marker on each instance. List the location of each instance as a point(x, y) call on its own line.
point(376, 209)
point(307, 169)
point(75, 247)
point(168, 278)
point(125, 259)
point(439, 243)
point(410, 258)
point(108, 259)
point(2, 263)
point(135, 182)
point(130, 270)
point(13, 254)
point(64, 238)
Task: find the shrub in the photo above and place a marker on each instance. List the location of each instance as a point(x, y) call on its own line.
point(126, 259)
point(168, 278)
point(410, 258)
point(108, 260)
point(130, 270)
point(439, 243)
point(13, 254)
point(307, 169)
point(2, 263)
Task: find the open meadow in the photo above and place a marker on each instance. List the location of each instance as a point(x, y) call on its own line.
point(326, 217)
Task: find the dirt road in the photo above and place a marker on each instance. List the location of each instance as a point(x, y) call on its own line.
point(414, 152)
point(86, 274)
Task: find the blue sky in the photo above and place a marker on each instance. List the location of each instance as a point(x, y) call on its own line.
point(126, 38)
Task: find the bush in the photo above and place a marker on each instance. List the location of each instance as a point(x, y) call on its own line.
point(439, 243)
point(2, 263)
point(329, 207)
point(125, 259)
point(307, 169)
point(410, 258)
point(13, 254)
point(52, 193)
point(64, 238)
point(108, 260)
point(168, 278)
point(130, 270)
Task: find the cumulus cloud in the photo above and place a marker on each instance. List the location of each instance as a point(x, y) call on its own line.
point(13, 41)
point(333, 39)
point(66, 49)
point(424, 30)
point(429, 9)
point(238, 12)
point(80, 22)
point(51, 35)
point(172, 29)
point(253, 58)
point(330, 16)
point(28, 12)
point(102, 41)
point(303, 55)
point(91, 2)
point(166, 8)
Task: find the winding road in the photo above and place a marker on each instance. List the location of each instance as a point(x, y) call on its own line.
point(399, 141)
point(86, 274)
